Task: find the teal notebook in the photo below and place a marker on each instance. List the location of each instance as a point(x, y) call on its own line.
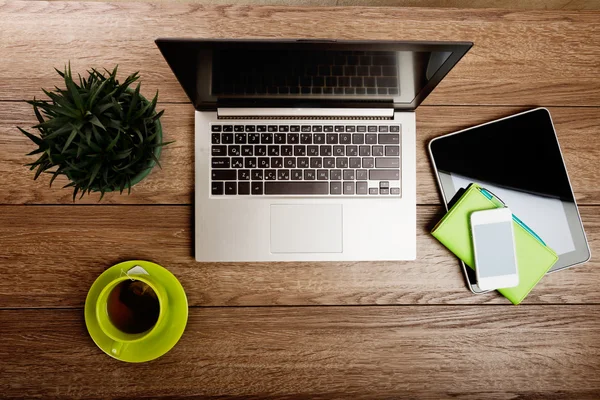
point(534, 258)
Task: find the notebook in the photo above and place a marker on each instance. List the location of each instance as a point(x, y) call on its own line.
point(534, 257)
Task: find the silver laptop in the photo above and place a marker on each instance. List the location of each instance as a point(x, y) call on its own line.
point(305, 150)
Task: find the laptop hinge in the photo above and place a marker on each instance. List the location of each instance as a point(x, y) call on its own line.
point(305, 113)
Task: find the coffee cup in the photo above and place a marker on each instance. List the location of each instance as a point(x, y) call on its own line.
point(131, 308)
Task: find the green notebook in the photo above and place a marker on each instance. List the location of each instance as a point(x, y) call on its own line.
point(534, 258)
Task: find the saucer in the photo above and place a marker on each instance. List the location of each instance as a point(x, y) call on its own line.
point(155, 345)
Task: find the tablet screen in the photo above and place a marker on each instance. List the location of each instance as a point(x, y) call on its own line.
point(519, 160)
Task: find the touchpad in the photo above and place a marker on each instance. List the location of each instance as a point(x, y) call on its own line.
point(306, 228)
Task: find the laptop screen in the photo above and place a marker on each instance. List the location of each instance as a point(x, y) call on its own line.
point(300, 73)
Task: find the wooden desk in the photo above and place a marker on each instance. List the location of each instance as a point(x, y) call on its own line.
point(347, 330)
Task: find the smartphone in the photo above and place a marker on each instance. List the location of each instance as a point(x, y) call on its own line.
point(494, 249)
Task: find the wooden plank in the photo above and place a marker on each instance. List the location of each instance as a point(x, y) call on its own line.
point(519, 58)
point(319, 352)
point(51, 255)
point(577, 131)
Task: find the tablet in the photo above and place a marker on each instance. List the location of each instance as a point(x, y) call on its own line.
point(518, 158)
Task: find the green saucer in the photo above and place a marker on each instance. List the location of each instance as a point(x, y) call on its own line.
point(153, 346)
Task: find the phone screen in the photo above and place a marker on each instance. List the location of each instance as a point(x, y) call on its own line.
point(494, 249)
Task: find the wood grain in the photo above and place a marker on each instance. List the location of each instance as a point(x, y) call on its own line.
point(174, 183)
point(52, 254)
point(492, 352)
point(519, 58)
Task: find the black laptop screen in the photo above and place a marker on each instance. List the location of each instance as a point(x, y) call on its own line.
point(301, 73)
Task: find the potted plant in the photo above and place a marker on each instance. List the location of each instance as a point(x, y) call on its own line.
point(100, 133)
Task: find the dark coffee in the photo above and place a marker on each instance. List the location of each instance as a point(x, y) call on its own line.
point(133, 306)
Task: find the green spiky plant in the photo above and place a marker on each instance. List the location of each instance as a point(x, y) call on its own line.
point(100, 133)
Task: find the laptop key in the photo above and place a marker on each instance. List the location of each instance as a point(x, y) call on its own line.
point(309, 175)
point(339, 128)
point(244, 188)
point(392, 150)
point(293, 138)
point(270, 174)
point(287, 151)
point(387, 162)
point(216, 188)
point(329, 162)
point(300, 150)
point(395, 191)
point(220, 162)
point(257, 188)
point(215, 138)
point(325, 151)
point(223, 175)
point(355, 162)
point(217, 151)
point(348, 174)
point(295, 128)
point(371, 138)
point(240, 138)
point(319, 138)
point(261, 128)
point(227, 138)
point(237, 162)
point(351, 151)
point(341, 162)
point(338, 151)
point(277, 162)
point(317, 128)
point(283, 174)
point(345, 138)
point(266, 138)
point(296, 188)
point(253, 138)
point(322, 175)
point(384, 174)
point(368, 162)
point(257, 174)
point(227, 128)
point(306, 138)
point(372, 128)
point(384, 191)
point(247, 151)
point(313, 151)
point(230, 188)
point(303, 162)
point(238, 128)
point(284, 128)
point(279, 138)
point(250, 128)
point(336, 187)
point(273, 151)
point(243, 175)
point(361, 187)
point(392, 138)
point(358, 138)
point(316, 162)
point(395, 128)
point(272, 128)
point(215, 128)
point(364, 151)
point(361, 175)
point(233, 150)
point(336, 174)
point(361, 128)
point(373, 191)
point(296, 174)
point(264, 162)
point(260, 150)
point(332, 138)
point(289, 162)
point(377, 151)
point(348, 187)
point(305, 128)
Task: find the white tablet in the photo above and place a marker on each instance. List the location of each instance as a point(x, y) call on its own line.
point(517, 158)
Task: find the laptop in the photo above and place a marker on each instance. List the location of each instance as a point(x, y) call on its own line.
point(305, 150)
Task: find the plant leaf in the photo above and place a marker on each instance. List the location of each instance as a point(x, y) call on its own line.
point(70, 139)
point(33, 138)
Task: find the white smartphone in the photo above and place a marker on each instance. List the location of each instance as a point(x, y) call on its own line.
point(494, 248)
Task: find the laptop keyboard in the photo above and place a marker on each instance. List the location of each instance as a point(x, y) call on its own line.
point(306, 160)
